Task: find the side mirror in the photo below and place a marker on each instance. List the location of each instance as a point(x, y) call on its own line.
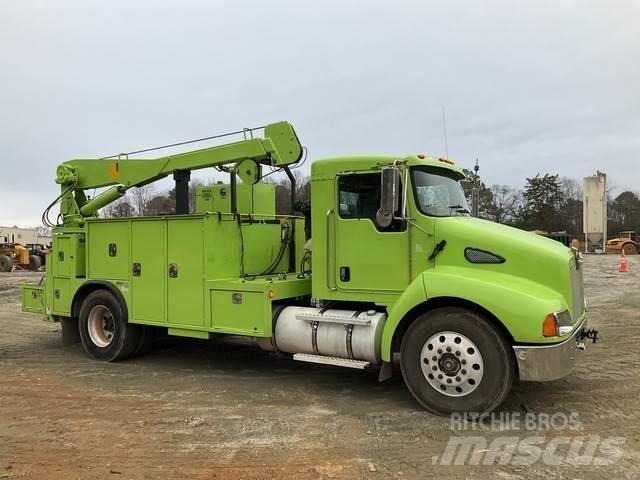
point(389, 196)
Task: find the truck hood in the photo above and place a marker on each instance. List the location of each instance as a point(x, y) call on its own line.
point(526, 254)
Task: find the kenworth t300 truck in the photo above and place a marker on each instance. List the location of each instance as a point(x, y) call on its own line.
point(397, 265)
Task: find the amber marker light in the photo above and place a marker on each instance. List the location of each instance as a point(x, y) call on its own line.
point(550, 326)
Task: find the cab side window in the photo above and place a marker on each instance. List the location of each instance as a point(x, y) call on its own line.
point(359, 198)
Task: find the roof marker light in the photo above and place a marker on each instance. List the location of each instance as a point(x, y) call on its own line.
point(446, 160)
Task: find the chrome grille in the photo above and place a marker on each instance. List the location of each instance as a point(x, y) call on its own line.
point(577, 291)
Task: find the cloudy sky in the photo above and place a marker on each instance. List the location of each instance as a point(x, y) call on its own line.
point(538, 86)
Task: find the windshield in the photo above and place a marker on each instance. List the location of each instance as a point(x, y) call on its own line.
point(438, 192)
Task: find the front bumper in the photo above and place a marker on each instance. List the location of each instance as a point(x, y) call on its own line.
point(542, 363)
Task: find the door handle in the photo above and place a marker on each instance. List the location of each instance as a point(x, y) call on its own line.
point(345, 274)
point(173, 270)
point(137, 269)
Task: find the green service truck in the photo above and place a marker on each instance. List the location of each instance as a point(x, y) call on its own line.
point(397, 266)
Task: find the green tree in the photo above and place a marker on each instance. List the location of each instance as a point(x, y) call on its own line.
point(543, 200)
point(624, 213)
point(485, 195)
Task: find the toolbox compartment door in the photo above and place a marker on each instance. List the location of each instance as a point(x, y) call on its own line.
point(32, 298)
point(240, 312)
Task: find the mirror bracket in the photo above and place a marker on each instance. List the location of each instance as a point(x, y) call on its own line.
point(390, 195)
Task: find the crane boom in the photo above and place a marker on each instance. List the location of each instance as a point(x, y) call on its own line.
point(279, 147)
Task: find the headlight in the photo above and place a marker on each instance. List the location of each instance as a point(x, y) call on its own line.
point(557, 324)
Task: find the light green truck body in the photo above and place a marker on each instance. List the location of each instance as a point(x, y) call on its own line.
point(232, 266)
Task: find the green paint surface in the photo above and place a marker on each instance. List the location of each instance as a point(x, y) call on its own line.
point(201, 273)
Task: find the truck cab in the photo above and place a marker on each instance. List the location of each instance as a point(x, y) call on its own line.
point(394, 271)
point(432, 263)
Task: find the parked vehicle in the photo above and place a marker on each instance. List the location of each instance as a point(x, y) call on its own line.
point(397, 265)
point(14, 254)
point(39, 250)
point(628, 242)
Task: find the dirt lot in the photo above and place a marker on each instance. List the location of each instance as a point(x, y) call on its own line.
point(227, 410)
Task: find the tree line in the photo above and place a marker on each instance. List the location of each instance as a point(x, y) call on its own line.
point(546, 202)
point(550, 203)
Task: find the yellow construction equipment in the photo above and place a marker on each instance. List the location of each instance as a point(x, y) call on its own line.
point(14, 254)
point(627, 242)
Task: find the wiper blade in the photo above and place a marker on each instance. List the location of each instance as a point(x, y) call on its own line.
point(458, 208)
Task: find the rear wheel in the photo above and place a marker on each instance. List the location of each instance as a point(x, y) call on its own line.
point(6, 264)
point(629, 249)
point(104, 331)
point(35, 262)
point(454, 360)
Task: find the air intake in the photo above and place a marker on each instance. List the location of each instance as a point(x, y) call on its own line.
point(475, 255)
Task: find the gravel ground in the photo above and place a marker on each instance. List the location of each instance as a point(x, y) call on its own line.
point(224, 409)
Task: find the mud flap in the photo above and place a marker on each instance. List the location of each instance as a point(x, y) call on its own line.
point(70, 331)
point(386, 372)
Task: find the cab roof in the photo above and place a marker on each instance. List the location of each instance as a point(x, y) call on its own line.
point(329, 167)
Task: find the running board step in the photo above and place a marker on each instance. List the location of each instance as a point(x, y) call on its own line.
point(337, 361)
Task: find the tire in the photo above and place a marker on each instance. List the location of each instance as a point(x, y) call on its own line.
point(104, 331)
point(6, 264)
point(35, 262)
point(629, 249)
point(474, 343)
point(147, 337)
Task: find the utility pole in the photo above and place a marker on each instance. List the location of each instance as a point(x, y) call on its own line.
point(475, 191)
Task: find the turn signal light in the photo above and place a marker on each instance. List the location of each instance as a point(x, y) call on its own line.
point(550, 326)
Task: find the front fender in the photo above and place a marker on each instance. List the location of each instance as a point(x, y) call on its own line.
point(519, 304)
point(414, 295)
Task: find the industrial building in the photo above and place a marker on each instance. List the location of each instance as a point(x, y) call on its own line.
point(23, 235)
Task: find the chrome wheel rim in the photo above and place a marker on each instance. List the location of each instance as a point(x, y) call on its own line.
point(101, 326)
point(451, 364)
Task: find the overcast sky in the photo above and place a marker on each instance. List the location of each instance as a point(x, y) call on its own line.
point(528, 86)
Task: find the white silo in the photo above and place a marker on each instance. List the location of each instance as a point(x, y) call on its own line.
point(595, 212)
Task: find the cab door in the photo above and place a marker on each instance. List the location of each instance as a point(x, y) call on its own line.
point(367, 257)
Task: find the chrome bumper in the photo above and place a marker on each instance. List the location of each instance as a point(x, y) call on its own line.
point(541, 363)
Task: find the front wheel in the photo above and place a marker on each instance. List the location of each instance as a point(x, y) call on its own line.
point(629, 249)
point(454, 360)
point(104, 330)
point(6, 264)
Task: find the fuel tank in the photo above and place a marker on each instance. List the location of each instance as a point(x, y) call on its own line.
point(349, 334)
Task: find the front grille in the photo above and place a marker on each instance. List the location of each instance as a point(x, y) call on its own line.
point(577, 291)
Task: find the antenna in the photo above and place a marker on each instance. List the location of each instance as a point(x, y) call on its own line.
point(444, 129)
point(475, 191)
